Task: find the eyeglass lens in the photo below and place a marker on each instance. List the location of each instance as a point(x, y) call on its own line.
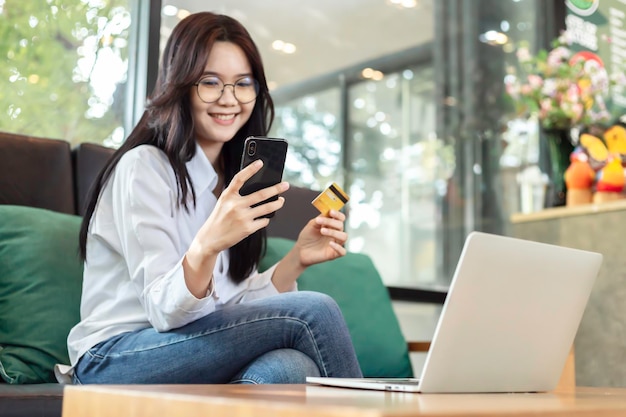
point(210, 89)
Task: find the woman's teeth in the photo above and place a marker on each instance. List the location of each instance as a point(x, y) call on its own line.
point(224, 116)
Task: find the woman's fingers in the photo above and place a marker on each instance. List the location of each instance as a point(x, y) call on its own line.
point(267, 208)
point(258, 196)
point(244, 175)
point(334, 221)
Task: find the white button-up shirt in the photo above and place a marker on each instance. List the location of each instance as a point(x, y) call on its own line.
point(137, 239)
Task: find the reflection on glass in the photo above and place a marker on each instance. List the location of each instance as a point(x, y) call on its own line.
point(312, 127)
point(520, 155)
point(398, 170)
point(63, 66)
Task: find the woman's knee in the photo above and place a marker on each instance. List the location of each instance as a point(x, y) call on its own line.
point(281, 366)
point(322, 308)
point(317, 302)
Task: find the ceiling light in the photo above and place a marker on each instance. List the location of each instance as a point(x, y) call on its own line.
point(289, 48)
point(406, 4)
point(183, 13)
point(278, 45)
point(169, 10)
point(367, 73)
point(284, 47)
point(372, 74)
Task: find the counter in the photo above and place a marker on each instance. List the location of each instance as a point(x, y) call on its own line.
point(600, 343)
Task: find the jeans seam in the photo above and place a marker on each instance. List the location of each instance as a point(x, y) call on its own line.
point(239, 381)
point(76, 380)
point(308, 329)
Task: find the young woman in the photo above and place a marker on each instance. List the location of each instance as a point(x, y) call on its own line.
point(171, 293)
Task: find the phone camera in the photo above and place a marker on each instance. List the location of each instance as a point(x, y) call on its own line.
point(251, 148)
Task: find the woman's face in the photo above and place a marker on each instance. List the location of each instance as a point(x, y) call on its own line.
point(217, 122)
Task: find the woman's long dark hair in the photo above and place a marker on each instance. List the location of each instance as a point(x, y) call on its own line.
point(167, 122)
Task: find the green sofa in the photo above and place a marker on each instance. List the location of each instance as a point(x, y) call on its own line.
point(40, 279)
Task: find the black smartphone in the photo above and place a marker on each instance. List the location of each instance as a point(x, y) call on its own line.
point(272, 151)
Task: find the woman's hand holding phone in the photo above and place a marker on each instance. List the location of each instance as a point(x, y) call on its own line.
point(232, 220)
point(273, 152)
point(244, 207)
point(237, 216)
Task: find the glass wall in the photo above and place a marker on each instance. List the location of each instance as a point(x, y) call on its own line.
point(312, 126)
point(400, 102)
point(398, 170)
point(412, 119)
point(65, 68)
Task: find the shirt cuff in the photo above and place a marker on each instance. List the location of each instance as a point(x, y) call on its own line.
point(178, 296)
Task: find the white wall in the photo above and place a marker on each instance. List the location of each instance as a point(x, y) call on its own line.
point(418, 322)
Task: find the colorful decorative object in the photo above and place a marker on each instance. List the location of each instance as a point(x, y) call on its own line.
point(579, 178)
point(615, 139)
point(610, 182)
point(606, 158)
point(596, 150)
point(563, 89)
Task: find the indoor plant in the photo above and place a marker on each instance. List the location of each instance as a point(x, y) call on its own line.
point(563, 89)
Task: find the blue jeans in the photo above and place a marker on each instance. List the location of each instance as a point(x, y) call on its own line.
point(275, 340)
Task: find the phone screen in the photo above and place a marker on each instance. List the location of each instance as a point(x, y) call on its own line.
point(272, 151)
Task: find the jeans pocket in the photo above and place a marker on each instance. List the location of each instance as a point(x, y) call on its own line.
point(102, 349)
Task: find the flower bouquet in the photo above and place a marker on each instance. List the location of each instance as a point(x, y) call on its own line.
point(563, 89)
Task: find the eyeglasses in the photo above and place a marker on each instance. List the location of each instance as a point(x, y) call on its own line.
point(211, 89)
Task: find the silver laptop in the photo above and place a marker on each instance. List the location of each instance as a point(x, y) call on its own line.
point(508, 322)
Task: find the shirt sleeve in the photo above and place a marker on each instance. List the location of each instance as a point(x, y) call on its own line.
point(144, 201)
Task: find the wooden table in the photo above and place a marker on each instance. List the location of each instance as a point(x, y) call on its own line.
point(314, 401)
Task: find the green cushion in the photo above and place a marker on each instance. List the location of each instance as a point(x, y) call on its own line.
point(40, 287)
point(356, 286)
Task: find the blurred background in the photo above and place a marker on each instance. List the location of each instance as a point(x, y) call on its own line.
point(401, 102)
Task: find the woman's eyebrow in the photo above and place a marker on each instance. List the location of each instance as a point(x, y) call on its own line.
point(241, 75)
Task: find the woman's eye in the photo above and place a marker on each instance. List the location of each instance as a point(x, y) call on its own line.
point(210, 82)
point(246, 82)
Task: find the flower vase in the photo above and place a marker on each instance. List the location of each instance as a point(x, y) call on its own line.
point(559, 148)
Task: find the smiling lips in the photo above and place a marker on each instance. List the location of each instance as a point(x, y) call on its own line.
point(224, 118)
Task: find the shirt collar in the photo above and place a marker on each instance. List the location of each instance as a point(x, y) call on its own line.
point(201, 172)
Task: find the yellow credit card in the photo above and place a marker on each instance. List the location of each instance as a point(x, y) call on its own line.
point(332, 198)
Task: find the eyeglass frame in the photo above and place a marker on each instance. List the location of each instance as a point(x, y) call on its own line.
point(257, 89)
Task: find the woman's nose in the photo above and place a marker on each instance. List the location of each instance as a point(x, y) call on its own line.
point(228, 94)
